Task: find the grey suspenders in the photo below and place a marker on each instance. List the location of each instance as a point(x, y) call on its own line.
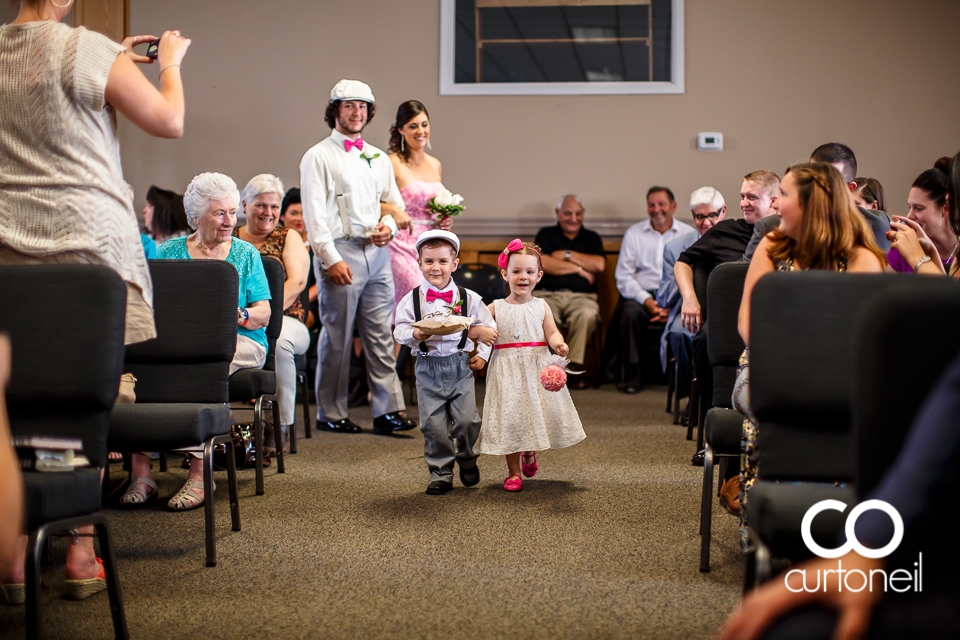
point(417, 316)
point(333, 162)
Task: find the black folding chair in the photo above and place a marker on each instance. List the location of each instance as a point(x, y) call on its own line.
point(65, 378)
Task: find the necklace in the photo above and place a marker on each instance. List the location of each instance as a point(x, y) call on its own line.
point(204, 249)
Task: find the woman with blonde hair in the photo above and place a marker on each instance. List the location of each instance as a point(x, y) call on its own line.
point(820, 228)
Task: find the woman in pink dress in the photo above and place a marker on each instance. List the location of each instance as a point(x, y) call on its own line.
point(418, 178)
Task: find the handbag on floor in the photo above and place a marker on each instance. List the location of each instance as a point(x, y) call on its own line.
point(244, 451)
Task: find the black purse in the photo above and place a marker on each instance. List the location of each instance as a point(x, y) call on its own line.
point(244, 451)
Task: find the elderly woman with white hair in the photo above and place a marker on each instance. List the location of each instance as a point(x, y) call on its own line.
point(261, 201)
point(211, 206)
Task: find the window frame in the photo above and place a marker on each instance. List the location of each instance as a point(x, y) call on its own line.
point(448, 87)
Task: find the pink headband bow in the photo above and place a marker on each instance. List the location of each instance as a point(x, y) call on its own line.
point(515, 245)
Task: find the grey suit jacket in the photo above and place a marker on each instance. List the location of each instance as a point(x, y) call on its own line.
point(879, 223)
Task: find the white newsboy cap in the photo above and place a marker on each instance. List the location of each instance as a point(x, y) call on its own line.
point(351, 90)
point(439, 234)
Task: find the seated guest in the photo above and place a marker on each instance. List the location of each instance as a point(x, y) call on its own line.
point(869, 194)
point(211, 206)
point(639, 268)
point(291, 212)
point(843, 159)
point(163, 216)
point(261, 201)
point(727, 243)
point(708, 208)
point(573, 258)
point(930, 207)
point(820, 228)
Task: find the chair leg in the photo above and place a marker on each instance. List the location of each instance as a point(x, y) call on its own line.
point(208, 498)
point(675, 372)
point(671, 382)
point(305, 390)
point(293, 433)
point(258, 443)
point(113, 577)
point(231, 479)
point(163, 462)
point(34, 549)
point(275, 405)
point(694, 408)
point(706, 510)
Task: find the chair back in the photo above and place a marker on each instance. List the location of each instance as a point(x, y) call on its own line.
point(195, 308)
point(803, 333)
point(724, 344)
point(483, 279)
point(276, 275)
point(66, 328)
point(905, 343)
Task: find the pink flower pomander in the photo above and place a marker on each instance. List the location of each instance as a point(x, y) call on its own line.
point(553, 377)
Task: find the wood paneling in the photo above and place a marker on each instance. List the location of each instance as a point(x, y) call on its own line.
point(109, 17)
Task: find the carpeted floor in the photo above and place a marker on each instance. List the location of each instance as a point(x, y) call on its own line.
point(603, 543)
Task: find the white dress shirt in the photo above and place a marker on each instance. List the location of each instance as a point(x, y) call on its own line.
point(640, 264)
point(365, 186)
point(441, 345)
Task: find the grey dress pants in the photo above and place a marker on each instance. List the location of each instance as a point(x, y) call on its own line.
point(449, 419)
point(368, 302)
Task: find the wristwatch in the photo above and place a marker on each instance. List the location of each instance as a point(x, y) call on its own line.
point(568, 255)
point(922, 261)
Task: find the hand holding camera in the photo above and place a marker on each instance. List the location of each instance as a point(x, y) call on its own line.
point(169, 49)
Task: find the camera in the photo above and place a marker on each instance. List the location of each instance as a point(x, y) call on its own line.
point(153, 49)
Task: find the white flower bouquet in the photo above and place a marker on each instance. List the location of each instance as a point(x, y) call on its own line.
point(446, 204)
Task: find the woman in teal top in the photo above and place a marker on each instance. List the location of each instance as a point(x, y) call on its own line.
point(211, 203)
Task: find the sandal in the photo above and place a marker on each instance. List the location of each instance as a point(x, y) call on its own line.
point(513, 483)
point(14, 592)
point(529, 469)
point(188, 497)
point(137, 494)
point(81, 589)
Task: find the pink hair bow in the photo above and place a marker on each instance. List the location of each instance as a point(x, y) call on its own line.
point(515, 245)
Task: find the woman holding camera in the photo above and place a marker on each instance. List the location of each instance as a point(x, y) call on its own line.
point(64, 198)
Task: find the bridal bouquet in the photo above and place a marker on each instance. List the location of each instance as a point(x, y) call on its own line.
point(446, 204)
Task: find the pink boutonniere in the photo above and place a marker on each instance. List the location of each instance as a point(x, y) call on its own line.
point(455, 307)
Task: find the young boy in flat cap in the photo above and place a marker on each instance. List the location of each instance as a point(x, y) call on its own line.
point(447, 398)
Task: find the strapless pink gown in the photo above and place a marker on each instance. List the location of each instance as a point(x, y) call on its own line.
point(403, 248)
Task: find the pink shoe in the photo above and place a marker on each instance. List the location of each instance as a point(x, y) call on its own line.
point(513, 483)
point(529, 469)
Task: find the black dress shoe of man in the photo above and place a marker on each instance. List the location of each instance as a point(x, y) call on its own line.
point(389, 422)
point(697, 459)
point(439, 487)
point(340, 426)
point(469, 477)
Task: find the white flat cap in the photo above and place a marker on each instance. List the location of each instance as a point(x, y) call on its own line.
point(351, 90)
point(439, 234)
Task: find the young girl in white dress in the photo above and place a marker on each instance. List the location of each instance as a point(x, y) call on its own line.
point(519, 415)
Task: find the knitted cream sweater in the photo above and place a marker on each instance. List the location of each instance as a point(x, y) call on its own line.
point(61, 184)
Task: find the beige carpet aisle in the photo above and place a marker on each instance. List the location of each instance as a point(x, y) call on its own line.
point(603, 543)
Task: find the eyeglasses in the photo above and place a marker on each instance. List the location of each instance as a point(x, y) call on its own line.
point(700, 217)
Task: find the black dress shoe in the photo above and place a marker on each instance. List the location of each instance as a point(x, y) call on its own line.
point(390, 422)
point(697, 459)
point(340, 426)
point(632, 387)
point(469, 477)
point(439, 487)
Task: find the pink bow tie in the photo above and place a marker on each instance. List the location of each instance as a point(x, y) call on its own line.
point(350, 144)
point(446, 296)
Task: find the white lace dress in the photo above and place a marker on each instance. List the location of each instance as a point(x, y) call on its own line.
point(518, 413)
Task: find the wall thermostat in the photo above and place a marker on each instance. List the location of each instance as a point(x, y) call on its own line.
point(710, 141)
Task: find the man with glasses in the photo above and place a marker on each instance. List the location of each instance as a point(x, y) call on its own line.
point(708, 208)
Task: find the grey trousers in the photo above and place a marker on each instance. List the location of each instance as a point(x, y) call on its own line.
point(368, 301)
point(449, 418)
